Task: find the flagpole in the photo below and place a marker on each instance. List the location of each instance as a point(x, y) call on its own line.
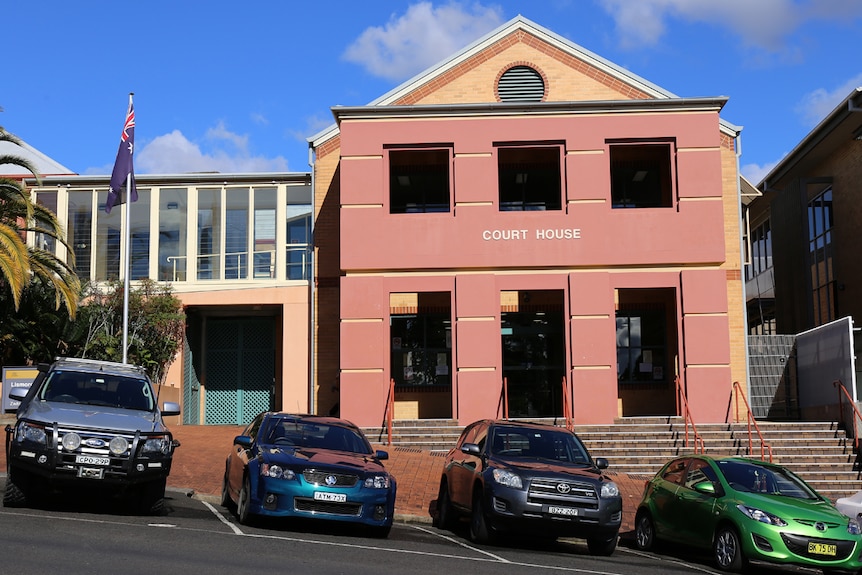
point(127, 252)
point(128, 256)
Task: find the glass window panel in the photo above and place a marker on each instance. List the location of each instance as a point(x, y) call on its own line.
point(264, 232)
point(139, 216)
point(108, 234)
point(173, 210)
point(79, 225)
point(209, 234)
point(48, 200)
point(236, 234)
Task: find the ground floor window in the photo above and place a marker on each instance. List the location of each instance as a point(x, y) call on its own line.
point(420, 329)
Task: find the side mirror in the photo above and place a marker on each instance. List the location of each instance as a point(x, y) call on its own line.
point(470, 449)
point(171, 408)
point(704, 487)
point(601, 463)
point(243, 441)
point(381, 455)
point(18, 393)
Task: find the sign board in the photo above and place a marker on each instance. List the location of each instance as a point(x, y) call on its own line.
point(16, 377)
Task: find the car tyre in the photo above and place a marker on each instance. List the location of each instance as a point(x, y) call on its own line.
point(644, 531)
point(602, 546)
point(149, 498)
point(242, 507)
point(727, 550)
point(226, 501)
point(480, 532)
point(14, 495)
point(443, 517)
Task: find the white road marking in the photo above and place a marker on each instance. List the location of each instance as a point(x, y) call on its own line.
point(223, 519)
point(461, 543)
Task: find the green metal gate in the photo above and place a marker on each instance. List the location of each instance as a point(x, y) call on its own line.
point(191, 387)
point(240, 360)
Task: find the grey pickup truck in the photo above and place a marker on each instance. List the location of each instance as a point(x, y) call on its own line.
point(89, 425)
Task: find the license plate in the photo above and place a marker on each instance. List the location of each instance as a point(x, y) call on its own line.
point(822, 549)
point(571, 511)
point(91, 460)
point(325, 496)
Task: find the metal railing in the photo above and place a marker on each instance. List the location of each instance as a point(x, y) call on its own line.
point(764, 447)
point(683, 410)
point(568, 409)
point(504, 399)
point(389, 416)
point(842, 393)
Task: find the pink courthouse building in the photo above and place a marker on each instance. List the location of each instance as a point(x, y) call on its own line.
point(523, 227)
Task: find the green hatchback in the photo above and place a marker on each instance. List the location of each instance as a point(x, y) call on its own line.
point(743, 510)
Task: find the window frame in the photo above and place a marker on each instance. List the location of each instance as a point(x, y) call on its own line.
point(421, 203)
point(667, 192)
point(544, 202)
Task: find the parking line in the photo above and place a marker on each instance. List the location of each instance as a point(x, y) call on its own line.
point(223, 519)
point(461, 543)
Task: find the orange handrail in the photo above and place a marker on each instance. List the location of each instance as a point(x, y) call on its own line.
point(567, 406)
point(856, 415)
point(737, 393)
point(504, 399)
point(390, 411)
point(684, 411)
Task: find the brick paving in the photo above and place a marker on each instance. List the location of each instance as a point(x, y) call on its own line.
point(198, 469)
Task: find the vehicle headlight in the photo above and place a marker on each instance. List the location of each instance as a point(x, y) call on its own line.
point(32, 432)
point(610, 489)
point(71, 441)
point(377, 482)
point(853, 527)
point(118, 445)
point(157, 445)
point(276, 472)
point(761, 516)
point(507, 478)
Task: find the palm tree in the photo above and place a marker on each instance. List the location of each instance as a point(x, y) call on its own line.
point(19, 214)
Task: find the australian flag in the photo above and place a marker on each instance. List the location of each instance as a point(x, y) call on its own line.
point(123, 165)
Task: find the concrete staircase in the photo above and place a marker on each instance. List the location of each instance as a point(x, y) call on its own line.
point(819, 452)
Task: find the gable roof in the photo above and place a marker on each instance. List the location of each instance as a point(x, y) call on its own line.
point(44, 164)
point(517, 24)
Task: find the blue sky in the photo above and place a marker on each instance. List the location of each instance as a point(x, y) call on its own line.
point(238, 87)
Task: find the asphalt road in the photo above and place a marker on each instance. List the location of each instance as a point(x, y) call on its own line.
point(195, 536)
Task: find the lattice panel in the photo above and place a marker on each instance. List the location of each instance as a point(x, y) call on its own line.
point(191, 387)
point(240, 369)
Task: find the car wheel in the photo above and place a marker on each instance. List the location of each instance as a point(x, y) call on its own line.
point(602, 546)
point(480, 532)
point(242, 507)
point(728, 550)
point(149, 498)
point(226, 501)
point(381, 532)
point(443, 518)
point(644, 531)
point(14, 496)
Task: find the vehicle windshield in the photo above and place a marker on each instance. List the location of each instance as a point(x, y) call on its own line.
point(86, 388)
point(552, 444)
point(749, 476)
point(314, 435)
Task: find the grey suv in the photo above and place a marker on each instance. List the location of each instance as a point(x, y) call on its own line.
point(89, 424)
point(530, 479)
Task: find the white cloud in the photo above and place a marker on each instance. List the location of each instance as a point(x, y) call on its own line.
point(762, 23)
point(173, 153)
point(817, 104)
point(420, 38)
point(755, 172)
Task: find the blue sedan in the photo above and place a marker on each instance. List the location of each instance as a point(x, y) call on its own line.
point(287, 465)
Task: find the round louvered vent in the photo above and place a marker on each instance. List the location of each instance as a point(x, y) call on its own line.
point(521, 84)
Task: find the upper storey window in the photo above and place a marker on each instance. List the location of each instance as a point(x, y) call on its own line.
point(529, 178)
point(641, 174)
point(419, 180)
